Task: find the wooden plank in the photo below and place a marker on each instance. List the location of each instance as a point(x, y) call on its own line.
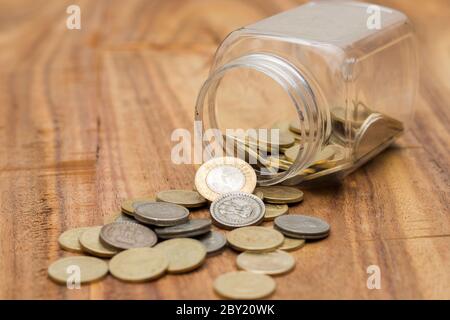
point(87, 117)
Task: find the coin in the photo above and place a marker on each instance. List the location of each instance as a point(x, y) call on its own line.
point(267, 139)
point(255, 239)
point(291, 244)
point(237, 209)
point(273, 263)
point(184, 254)
point(123, 217)
point(275, 210)
point(126, 235)
point(259, 194)
point(223, 175)
point(139, 264)
point(90, 269)
point(191, 228)
point(244, 285)
point(128, 206)
point(161, 214)
point(68, 240)
point(302, 227)
point(186, 198)
point(292, 153)
point(281, 194)
point(213, 241)
point(90, 242)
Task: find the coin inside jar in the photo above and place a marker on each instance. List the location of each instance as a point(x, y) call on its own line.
point(90, 269)
point(255, 239)
point(185, 198)
point(281, 194)
point(184, 254)
point(244, 285)
point(191, 228)
point(139, 264)
point(302, 227)
point(223, 175)
point(126, 235)
point(90, 242)
point(161, 214)
point(237, 209)
point(272, 263)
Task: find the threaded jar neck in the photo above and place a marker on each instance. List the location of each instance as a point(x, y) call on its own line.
point(312, 123)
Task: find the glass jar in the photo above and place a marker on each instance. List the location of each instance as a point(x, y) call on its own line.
point(326, 86)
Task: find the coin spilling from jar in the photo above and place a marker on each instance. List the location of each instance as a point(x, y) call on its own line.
point(154, 236)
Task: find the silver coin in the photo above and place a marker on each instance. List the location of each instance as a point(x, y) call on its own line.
point(127, 235)
point(214, 242)
point(237, 209)
point(161, 214)
point(302, 227)
point(191, 228)
point(302, 236)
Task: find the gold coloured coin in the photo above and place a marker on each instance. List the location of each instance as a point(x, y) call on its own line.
point(259, 194)
point(128, 205)
point(292, 153)
point(275, 210)
point(90, 243)
point(185, 198)
point(281, 194)
point(291, 244)
point(90, 269)
point(223, 175)
point(255, 239)
point(184, 254)
point(272, 263)
point(68, 240)
point(244, 285)
point(139, 264)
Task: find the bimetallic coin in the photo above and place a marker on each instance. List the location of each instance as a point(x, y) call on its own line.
point(68, 240)
point(184, 254)
point(291, 244)
point(91, 269)
point(275, 210)
point(161, 214)
point(237, 209)
point(255, 239)
point(223, 175)
point(90, 242)
point(185, 198)
point(125, 235)
point(128, 206)
point(191, 228)
point(139, 264)
point(281, 194)
point(302, 227)
point(214, 242)
point(244, 285)
point(273, 263)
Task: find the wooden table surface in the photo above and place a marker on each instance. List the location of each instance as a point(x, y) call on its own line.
point(86, 122)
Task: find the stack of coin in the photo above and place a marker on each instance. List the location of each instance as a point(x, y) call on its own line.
point(191, 228)
point(302, 227)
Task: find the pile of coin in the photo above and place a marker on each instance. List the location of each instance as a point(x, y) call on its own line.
point(155, 236)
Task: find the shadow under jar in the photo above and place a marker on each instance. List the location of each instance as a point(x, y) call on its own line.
point(309, 95)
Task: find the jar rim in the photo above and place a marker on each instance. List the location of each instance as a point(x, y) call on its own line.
point(298, 88)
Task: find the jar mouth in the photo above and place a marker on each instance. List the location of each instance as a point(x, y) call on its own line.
point(306, 115)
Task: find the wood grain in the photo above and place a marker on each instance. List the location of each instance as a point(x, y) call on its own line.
point(86, 121)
